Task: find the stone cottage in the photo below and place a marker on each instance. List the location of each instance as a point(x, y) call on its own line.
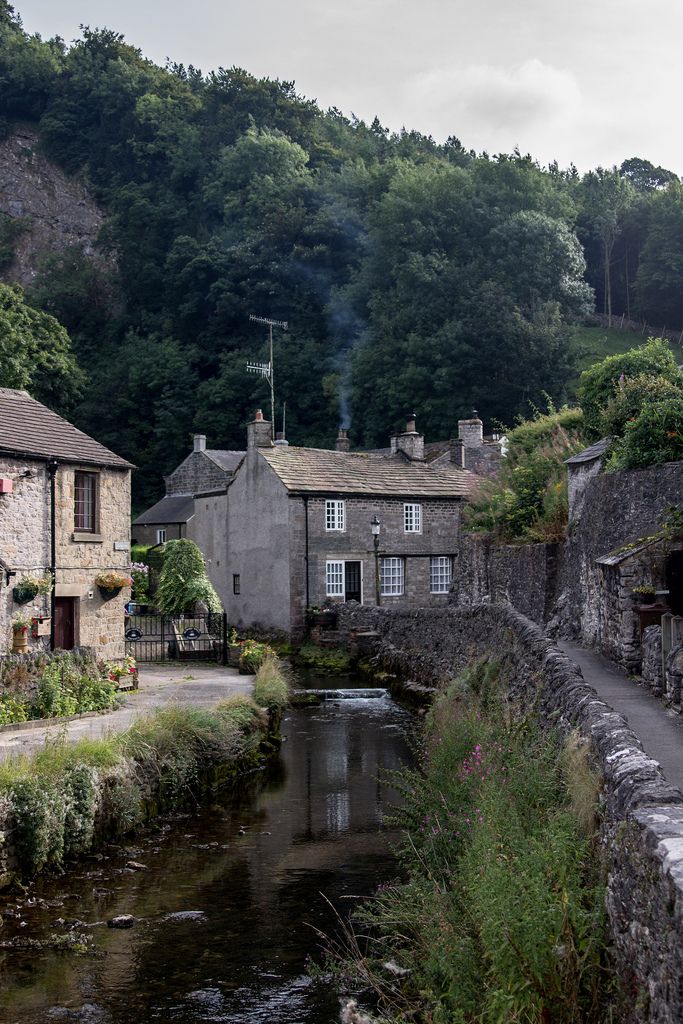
point(300, 528)
point(64, 511)
point(204, 471)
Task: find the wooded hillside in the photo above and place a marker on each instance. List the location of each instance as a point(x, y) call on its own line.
point(413, 275)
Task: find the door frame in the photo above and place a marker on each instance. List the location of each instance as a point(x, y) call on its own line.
point(360, 563)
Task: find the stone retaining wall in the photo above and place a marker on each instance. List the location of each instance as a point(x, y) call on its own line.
point(642, 828)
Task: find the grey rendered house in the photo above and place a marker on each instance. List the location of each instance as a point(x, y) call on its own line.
point(299, 528)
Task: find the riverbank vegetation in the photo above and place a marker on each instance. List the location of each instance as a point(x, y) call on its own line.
point(500, 913)
point(68, 798)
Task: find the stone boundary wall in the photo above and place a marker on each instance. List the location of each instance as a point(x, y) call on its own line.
point(642, 831)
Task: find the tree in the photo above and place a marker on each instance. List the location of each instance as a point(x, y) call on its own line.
point(183, 583)
point(35, 353)
point(658, 286)
point(606, 197)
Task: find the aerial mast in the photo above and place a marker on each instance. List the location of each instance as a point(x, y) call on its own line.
point(267, 370)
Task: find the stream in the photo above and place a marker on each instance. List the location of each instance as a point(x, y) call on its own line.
point(226, 899)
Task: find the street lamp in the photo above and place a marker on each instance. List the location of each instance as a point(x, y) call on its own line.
point(374, 526)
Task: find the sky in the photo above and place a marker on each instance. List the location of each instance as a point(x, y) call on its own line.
point(591, 82)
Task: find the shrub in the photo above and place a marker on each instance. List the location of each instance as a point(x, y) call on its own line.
point(253, 654)
point(528, 500)
point(600, 382)
point(184, 582)
point(327, 661)
point(271, 689)
point(653, 437)
point(71, 685)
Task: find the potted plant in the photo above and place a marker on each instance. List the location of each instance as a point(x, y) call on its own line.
point(111, 582)
point(326, 617)
point(644, 593)
point(20, 627)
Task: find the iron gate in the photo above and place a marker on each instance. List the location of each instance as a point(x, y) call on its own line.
point(177, 637)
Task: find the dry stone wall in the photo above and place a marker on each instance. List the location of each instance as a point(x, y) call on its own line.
point(643, 814)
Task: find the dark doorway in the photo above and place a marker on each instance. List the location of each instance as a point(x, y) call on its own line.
point(66, 622)
point(352, 587)
point(674, 581)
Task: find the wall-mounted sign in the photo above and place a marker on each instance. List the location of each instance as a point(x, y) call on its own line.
point(121, 545)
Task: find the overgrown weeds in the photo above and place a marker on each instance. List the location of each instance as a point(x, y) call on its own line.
point(271, 688)
point(500, 914)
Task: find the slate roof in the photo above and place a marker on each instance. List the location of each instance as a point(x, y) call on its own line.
point(319, 471)
point(30, 429)
point(173, 508)
point(226, 460)
point(591, 453)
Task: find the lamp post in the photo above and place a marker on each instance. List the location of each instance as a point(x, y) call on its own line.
point(374, 526)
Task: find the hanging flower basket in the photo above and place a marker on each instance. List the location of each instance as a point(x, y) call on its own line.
point(24, 591)
point(111, 583)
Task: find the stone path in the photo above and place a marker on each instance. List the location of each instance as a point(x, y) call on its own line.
point(658, 729)
point(160, 685)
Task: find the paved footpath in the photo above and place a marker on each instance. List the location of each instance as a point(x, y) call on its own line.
point(658, 729)
point(160, 685)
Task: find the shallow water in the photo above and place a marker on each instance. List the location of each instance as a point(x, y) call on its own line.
point(230, 897)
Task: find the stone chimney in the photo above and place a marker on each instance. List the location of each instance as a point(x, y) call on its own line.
point(409, 442)
point(258, 432)
point(342, 444)
point(456, 450)
point(471, 432)
point(280, 440)
point(200, 442)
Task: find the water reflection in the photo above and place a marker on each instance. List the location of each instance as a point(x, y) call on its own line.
point(252, 872)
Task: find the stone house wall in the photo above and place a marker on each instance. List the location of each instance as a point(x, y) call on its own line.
point(24, 537)
point(439, 536)
point(642, 815)
point(198, 472)
point(81, 556)
point(25, 547)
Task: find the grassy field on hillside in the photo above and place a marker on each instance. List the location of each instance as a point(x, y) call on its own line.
point(594, 343)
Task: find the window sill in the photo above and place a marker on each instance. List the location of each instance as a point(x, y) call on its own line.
point(86, 538)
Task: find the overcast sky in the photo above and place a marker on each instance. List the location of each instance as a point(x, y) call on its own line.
point(590, 82)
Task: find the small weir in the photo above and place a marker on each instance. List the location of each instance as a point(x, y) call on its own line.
point(226, 901)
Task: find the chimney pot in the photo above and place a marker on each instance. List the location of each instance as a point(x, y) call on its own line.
point(411, 424)
point(342, 444)
point(200, 442)
point(259, 415)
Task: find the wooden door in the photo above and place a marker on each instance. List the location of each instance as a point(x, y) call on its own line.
point(66, 611)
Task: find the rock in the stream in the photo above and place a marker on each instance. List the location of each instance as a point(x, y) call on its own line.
point(122, 921)
point(135, 865)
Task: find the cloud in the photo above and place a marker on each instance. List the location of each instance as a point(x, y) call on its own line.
point(483, 102)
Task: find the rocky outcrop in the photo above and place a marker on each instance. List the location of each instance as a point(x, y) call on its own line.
point(55, 211)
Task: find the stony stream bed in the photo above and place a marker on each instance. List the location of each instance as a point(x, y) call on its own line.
point(218, 908)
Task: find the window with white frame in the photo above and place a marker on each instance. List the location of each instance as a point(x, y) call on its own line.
point(440, 573)
point(391, 575)
point(334, 579)
point(161, 536)
point(334, 515)
point(412, 518)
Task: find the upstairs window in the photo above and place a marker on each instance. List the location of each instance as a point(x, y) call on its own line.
point(85, 502)
point(335, 516)
point(440, 574)
point(391, 575)
point(412, 518)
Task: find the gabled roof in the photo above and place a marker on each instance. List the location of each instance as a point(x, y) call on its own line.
point(30, 429)
point(173, 508)
point(226, 460)
point(591, 453)
point(319, 471)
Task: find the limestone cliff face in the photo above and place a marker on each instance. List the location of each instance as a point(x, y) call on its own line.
point(56, 211)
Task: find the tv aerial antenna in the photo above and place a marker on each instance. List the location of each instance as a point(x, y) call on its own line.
point(267, 370)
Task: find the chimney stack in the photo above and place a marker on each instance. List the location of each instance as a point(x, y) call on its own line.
point(471, 432)
point(342, 444)
point(258, 432)
point(280, 439)
point(410, 443)
point(200, 442)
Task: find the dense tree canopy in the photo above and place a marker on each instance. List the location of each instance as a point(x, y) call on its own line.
point(413, 275)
